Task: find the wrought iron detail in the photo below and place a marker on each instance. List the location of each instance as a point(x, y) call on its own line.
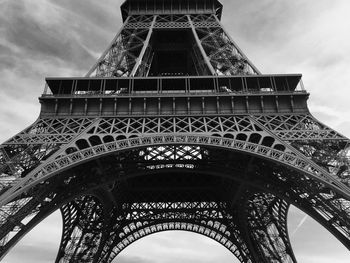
point(156, 138)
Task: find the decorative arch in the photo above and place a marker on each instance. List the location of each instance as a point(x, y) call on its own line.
point(278, 154)
point(208, 231)
point(297, 200)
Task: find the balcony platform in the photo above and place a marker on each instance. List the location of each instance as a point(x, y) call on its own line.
point(167, 85)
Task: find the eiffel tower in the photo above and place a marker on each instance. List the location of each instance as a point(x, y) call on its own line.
point(174, 129)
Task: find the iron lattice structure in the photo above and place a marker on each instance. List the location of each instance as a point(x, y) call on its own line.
point(174, 129)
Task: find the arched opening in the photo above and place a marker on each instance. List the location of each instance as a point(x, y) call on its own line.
point(176, 246)
point(108, 138)
point(120, 137)
point(40, 244)
point(71, 150)
point(268, 141)
point(172, 169)
point(255, 138)
point(95, 140)
point(241, 137)
point(229, 136)
point(308, 239)
point(311, 242)
point(280, 147)
point(82, 144)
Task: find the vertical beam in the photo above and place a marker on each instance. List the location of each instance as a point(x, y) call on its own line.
point(56, 107)
point(199, 44)
point(233, 104)
point(145, 45)
point(46, 88)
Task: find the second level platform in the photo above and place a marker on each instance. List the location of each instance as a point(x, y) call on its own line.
point(174, 95)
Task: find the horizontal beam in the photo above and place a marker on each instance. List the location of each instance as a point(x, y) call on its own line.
point(172, 105)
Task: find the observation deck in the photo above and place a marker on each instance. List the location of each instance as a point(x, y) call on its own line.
point(183, 95)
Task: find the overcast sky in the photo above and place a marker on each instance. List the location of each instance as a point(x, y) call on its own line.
point(40, 38)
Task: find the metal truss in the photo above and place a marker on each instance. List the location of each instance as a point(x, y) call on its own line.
point(267, 223)
point(123, 53)
point(254, 135)
point(315, 140)
point(130, 53)
point(109, 134)
point(224, 55)
point(229, 173)
point(247, 215)
point(287, 127)
point(298, 127)
point(204, 218)
point(82, 230)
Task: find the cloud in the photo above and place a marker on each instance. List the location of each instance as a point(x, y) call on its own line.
point(34, 44)
point(299, 37)
point(30, 254)
point(311, 241)
point(40, 245)
point(302, 221)
point(37, 31)
point(132, 259)
point(24, 113)
point(321, 259)
point(93, 12)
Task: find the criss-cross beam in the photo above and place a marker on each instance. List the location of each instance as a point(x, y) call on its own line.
point(265, 178)
point(83, 229)
point(266, 226)
point(130, 53)
point(223, 156)
point(199, 217)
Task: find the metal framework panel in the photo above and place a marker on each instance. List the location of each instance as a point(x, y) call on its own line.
point(174, 129)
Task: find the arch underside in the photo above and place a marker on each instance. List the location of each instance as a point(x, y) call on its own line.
point(212, 219)
point(226, 168)
point(51, 145)
point(238, 199)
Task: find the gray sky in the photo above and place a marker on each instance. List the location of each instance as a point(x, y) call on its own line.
point(40, 38)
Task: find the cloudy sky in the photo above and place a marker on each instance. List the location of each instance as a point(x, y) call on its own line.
point(40, 38)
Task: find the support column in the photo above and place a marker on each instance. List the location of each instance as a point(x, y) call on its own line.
point(83, 221)
point(199, 44)
point(266, 226)
point(145, 45)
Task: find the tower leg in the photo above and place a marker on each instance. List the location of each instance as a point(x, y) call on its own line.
point(220, 226)
point(82, 230)
point(266, 224)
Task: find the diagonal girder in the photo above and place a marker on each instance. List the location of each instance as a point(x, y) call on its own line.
point(320, 205)
point(230, 177)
